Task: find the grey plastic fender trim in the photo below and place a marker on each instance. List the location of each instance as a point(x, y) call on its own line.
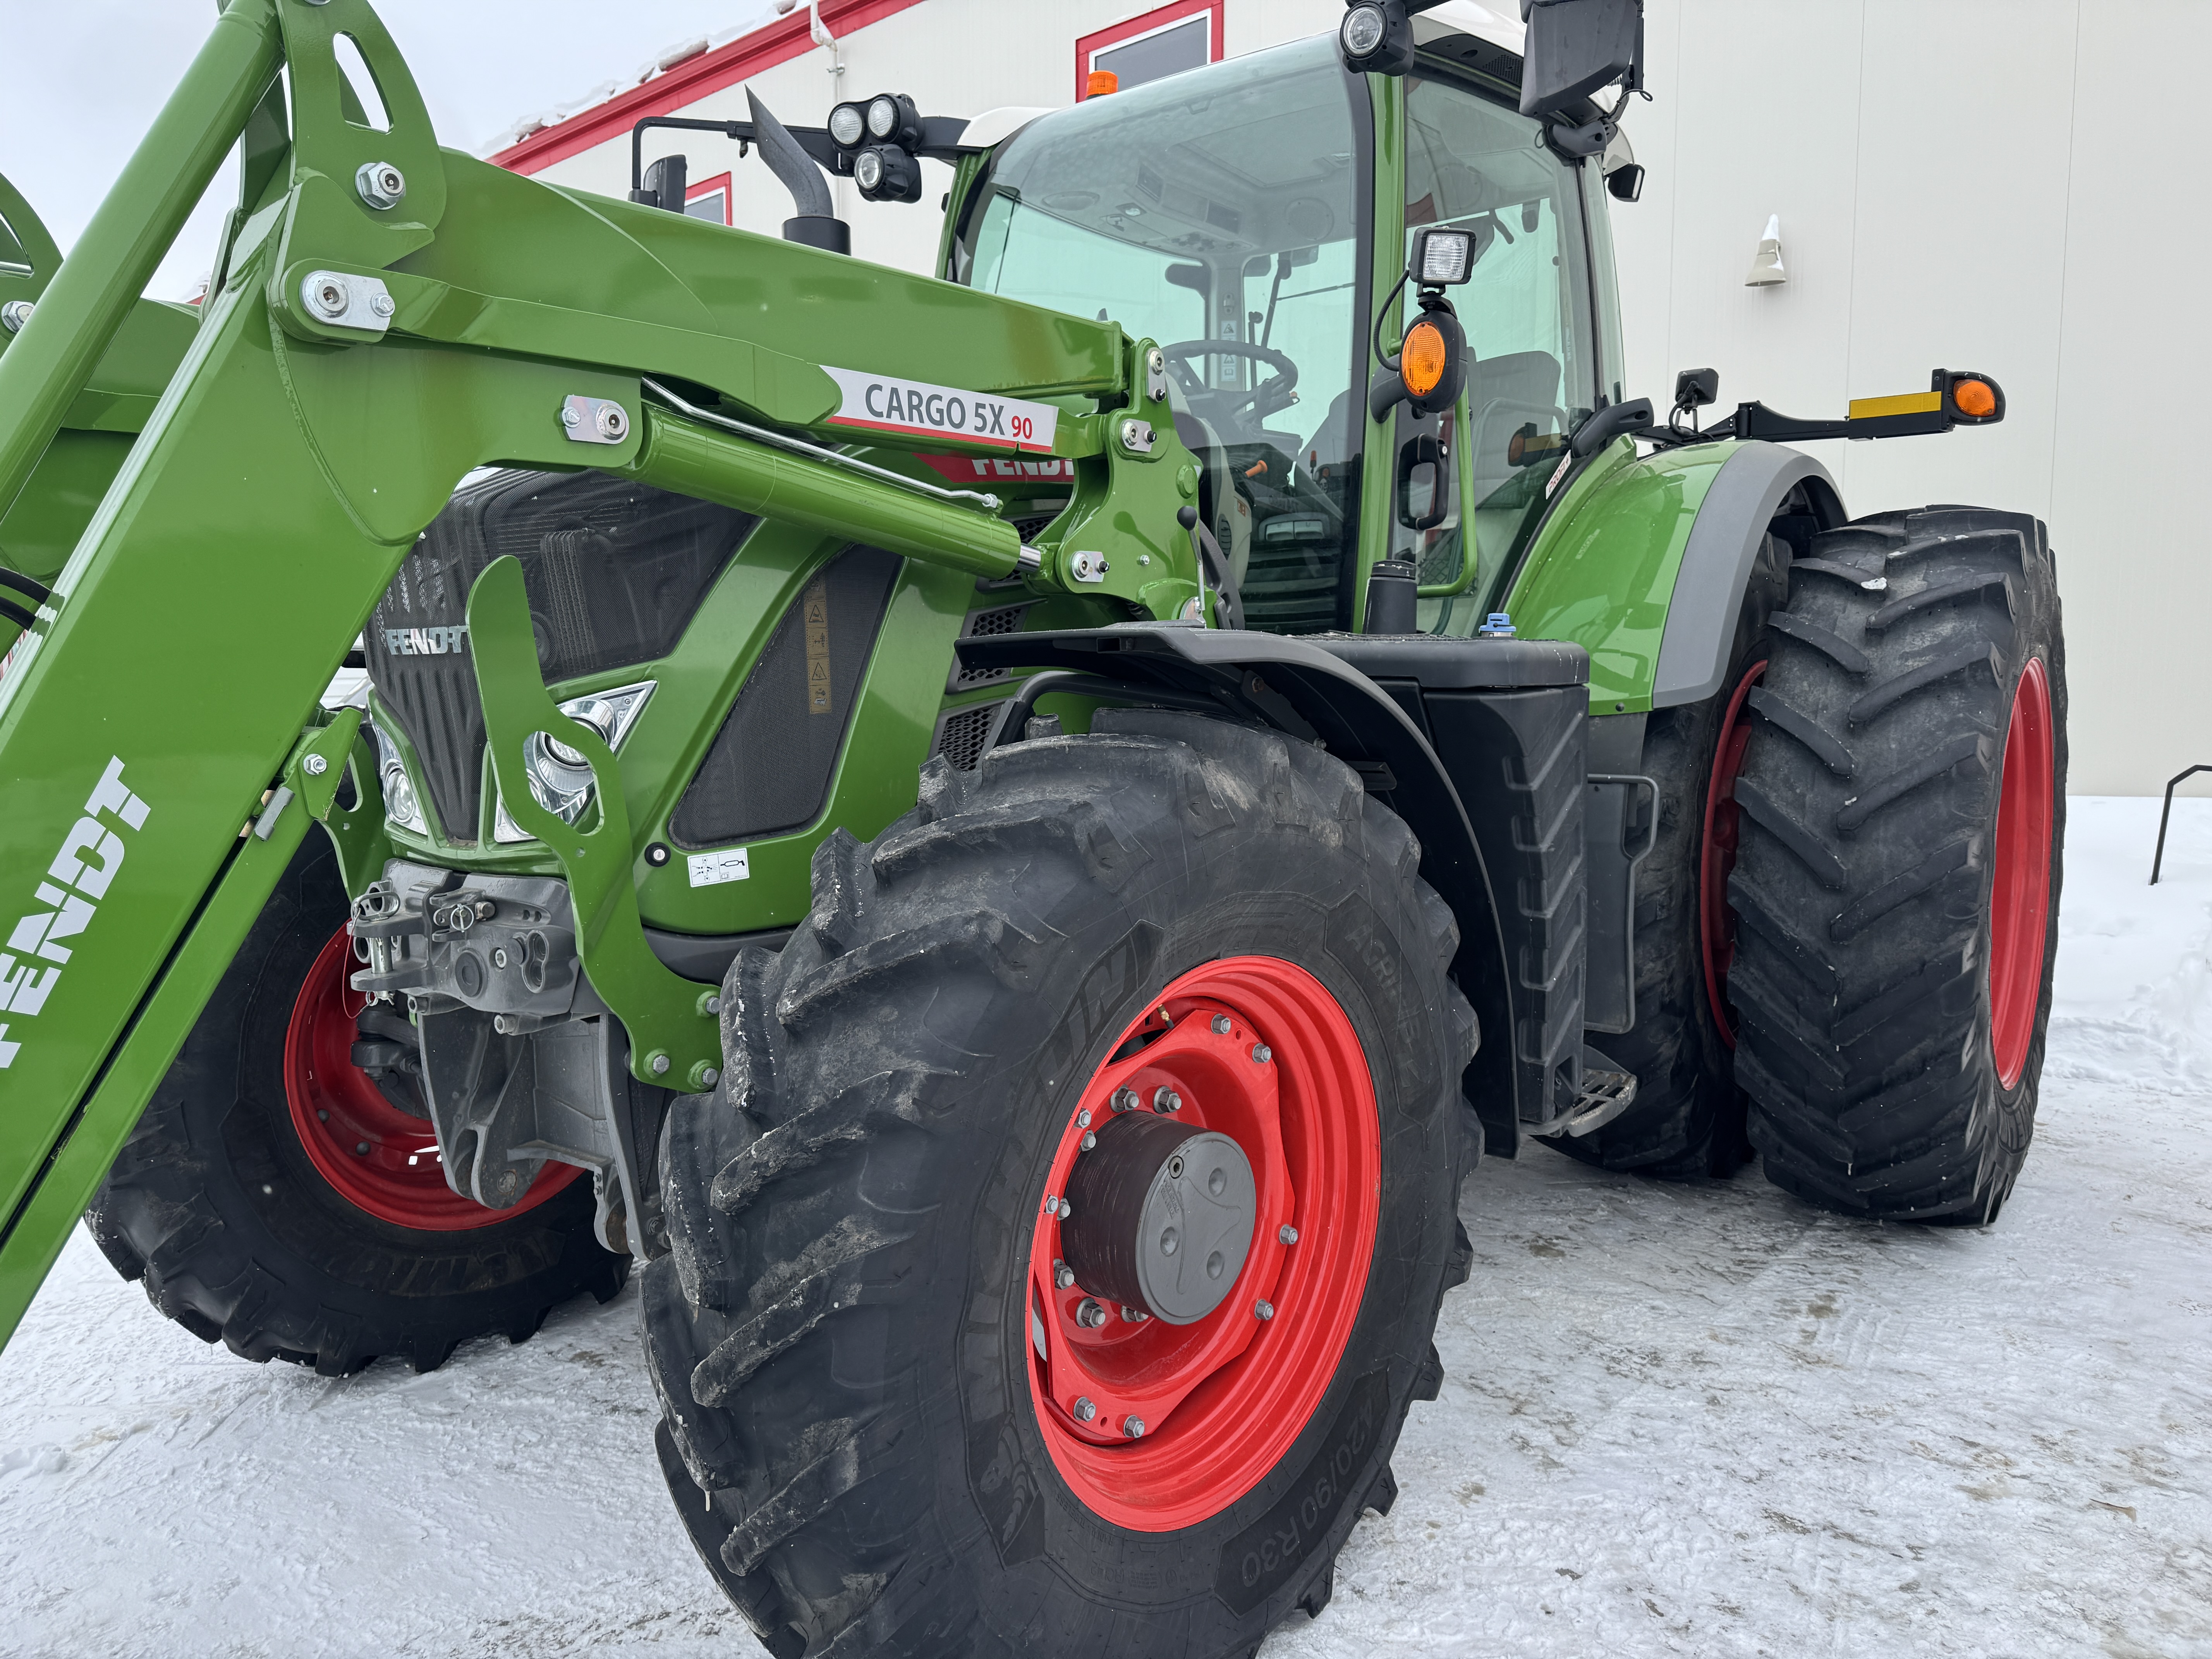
point(1724, 542)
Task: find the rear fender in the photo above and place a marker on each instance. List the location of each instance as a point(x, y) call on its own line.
point(1644, 563)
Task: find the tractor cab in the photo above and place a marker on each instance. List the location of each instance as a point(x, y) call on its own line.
point(1247, 216)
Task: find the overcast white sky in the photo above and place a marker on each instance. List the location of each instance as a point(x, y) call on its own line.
point(81, 80)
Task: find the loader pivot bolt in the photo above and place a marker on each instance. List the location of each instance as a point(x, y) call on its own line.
point(382, 185)
point(329, 294)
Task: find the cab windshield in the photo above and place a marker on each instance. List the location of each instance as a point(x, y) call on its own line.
point(1219, 212)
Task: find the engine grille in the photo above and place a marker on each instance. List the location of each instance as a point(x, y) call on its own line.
point(614, 570)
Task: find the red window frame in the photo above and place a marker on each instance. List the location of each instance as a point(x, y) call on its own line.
point(707, 187)
point(1151, 22)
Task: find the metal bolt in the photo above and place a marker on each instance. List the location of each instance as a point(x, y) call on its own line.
point(1175, 1167)
point(711, 1076)
point(572, 416)
point(381, 304)
point(1166, 1099)
point(1084, 1410)
point(1051, 1204)
point(1083, 1119)
point(1089, 1314)
point(509, 1181)
point(16, 314)
point(330, 294)
point(613, 425)
point(1133, 1316)
point(322, 1117)
point(314, 766)
point(1067, 1211)
point(1090, 1141)
point(713, 1005)
point(380, 183)
point(1063, 1275)
point(361, 1150)
point(499, 959)
point(1288, 1235)
point(1261, 1053)
point(1221, 1025)
point(659, 1065)
point(1133, 1427)
point(1125, 1100)
point(1264, 1310)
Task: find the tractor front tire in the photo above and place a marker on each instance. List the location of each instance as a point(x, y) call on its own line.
point(274, 1200)
point(898, 1421)
point(1902, 809)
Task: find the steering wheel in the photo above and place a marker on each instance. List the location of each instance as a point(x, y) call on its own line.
point(1264, 400)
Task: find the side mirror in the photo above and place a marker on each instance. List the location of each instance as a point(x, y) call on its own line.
point(1695, 388)
point(664, 184)
point(1626, 183)
point(1415, 453)
point(1576, 47)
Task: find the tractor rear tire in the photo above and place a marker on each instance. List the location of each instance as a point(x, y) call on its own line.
point(1687, 1119)
point(1903, 806)
point(218, 1205)
point(855, 1336)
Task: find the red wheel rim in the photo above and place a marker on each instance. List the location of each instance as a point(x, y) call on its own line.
point(2020, 889)
point(1222, 1399)
point(1717, 853)
point(338, 1111)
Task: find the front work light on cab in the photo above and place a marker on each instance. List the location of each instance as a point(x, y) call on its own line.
point(1431, 366)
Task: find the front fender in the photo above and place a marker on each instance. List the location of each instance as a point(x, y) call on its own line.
point(1644, 562)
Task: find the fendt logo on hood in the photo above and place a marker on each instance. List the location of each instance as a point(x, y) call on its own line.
point(76, 881)
point(425, 642)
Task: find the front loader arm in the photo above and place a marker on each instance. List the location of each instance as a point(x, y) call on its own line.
point(158, 722)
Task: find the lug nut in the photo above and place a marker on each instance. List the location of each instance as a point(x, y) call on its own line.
point(1221, 1025)
point(1263, 1310)
point(1133, 1316)
point(1089, 1314)
point(1133, 1427)
point(1288, 1235)
point(1063, 1275)
point(1125, 1100)
point(1166, 1101)
point(1261, 1053)
point(1089, 1140)
point(1083, 1119)
point(1084, 1410)
point(1051, 1205)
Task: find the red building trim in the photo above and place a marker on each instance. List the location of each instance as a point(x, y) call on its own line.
point(1159, 18)
point(721, 182)
point(777, 42)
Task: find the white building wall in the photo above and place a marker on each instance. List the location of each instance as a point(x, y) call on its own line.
point(1972, 183)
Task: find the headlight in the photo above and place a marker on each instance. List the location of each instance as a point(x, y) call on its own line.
point(560, 776)
point(883, 116)
point(868, 170)
point(848, 124)
point(1361, 30)
point(401, 805)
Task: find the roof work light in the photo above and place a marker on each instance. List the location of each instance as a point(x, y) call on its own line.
point(1377, 37)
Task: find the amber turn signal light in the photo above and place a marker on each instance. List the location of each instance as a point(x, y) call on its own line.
point(1103, 82)
point(1975, 399)
point(1425, 358)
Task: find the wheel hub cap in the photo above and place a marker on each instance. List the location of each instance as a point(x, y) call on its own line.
point(1163, 1218)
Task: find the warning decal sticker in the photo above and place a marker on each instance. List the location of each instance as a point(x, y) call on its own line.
point(887, 404)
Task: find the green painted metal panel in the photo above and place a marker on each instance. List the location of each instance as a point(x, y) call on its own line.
point(1601, 569)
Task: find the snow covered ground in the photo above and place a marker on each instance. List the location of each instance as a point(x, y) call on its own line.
point(1697, 1420)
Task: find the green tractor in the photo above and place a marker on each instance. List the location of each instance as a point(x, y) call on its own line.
point(1011, 836)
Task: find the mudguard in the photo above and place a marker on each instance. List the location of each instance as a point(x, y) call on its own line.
point(1644, 560)
point(1373, 702)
